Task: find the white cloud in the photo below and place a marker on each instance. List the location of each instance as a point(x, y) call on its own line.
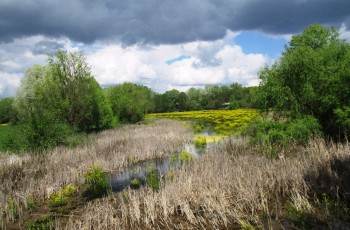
point(9, 83)
point(216, 62)
point(344, 32)
point(18, 55)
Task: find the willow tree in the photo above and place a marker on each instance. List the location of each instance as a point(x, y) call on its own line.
point(59, 99)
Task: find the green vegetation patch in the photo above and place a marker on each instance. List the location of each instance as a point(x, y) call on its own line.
point(44, 222)
point(97, 181)
point(225, 122)
point(60, 198)
point(5, 131)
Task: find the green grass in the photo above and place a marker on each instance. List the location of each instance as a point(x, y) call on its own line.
point(4, 136)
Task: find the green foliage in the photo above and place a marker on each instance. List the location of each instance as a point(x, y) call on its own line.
point(153, 178)
point(200, 142)
point(225, 122)
point(58, 100)
point(211, 97)
point(198, 127)
point(332, 208)
point(31, 203)
point(5, 132)
point(130, 102)
point(60, 198)
point(300, 218)
point(233, 104)
point(45, 222)
point(97, 181)
point(272, 135)
point(135, 183)
point(185, 157)
point(8, 112)
point(244, 225)
point(13, 209)
point(311, 78)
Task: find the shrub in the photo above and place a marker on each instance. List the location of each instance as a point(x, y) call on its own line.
point(12, 209)
point(279, 133)
point(31, 203)
point(153, 178)
point(43, 223)
point(200, 142)
point(300, 218)
point(135, 183)
point(56, 199)
point(60, 198)
point(97, 181)
point(185, 157)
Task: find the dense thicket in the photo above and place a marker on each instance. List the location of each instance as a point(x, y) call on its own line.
point(311, 78)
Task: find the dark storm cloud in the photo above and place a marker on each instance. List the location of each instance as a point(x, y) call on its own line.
point(163, 21)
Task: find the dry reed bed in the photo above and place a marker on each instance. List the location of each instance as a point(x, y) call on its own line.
point(230, 184)
point(27, 175)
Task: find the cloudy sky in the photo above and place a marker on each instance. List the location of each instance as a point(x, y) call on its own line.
point(163, 44)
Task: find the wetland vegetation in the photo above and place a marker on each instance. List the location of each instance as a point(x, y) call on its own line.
point(71, 160)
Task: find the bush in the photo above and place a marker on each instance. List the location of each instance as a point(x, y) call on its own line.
point(153, 178)
point(185, 157)
point(135, 183)
point(200, 142)
point(97, 181)
point(60, 198)
point(272, 135)
point(31, 203)
point(13, 209)
point(43, 223)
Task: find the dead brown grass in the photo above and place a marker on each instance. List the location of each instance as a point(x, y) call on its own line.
point(227, 186)
point(27, 175)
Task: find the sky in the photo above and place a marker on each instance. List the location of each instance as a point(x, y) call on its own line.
point(163, 44)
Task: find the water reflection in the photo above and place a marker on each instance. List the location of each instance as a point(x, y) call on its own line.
point(140, 171)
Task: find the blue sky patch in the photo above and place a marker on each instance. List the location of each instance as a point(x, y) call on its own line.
point(256, 42)
point(179, 58)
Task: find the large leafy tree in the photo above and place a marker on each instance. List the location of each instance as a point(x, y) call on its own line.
point(130, 102)
point(59, 99)
point(311, 78)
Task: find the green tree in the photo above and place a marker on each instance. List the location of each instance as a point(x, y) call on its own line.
point(56, 100)
point(130, 102)
point(194, 99)
point(83, 102)
point(311, 78)
point(7, 110)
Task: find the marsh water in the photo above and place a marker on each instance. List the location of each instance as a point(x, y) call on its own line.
point(140, 171)
point(161, 166)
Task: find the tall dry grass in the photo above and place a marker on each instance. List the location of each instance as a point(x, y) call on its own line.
point(27, 175)
point(229, 186)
